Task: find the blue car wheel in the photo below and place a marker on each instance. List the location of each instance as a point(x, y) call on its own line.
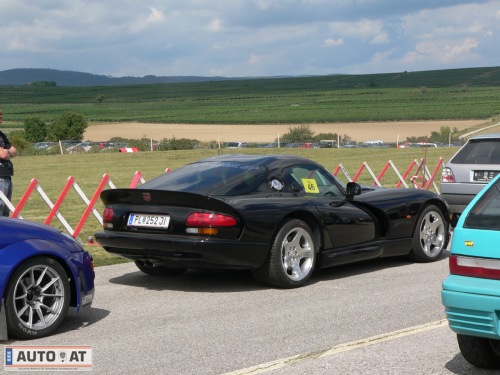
point(37, 298)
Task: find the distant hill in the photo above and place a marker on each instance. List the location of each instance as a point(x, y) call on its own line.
point(21, 77)
point(487, 76)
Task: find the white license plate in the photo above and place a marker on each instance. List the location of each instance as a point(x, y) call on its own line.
point(150, 221)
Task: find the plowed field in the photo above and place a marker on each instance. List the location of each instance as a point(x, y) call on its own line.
point(360, 132)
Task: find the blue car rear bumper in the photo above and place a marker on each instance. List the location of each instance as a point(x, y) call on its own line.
point(472, 305)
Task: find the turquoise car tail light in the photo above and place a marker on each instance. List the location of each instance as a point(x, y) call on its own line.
point(475, 267)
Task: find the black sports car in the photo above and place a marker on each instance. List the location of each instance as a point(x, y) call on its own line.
point(278, 215)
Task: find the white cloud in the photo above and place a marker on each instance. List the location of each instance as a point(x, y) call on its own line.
point(332, 42)
point(155, 15)
point(254, 59)
point(215, 26)
point(382, 56)
point(445, 51)
point(365, 30)
point(455, 36)
point(141, 23)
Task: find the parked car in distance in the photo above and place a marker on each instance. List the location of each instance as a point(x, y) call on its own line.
point(424, 144)
point(43, 145)
point(82, 147)
point(280, 216)
point(474, 165)
point(236, 144)
point(327, 143)
point(471, 293)
point(113, 145)
point(274, 145)
point(43, 272)
point(68, 143)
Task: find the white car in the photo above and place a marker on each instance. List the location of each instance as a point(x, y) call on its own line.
point(82, 146)
point(236, 144)
point(469, 171)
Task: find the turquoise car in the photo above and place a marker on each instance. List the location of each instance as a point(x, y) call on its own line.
point(471, 293)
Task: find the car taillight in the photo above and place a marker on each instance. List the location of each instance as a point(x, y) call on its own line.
point(447, 175)
point(89, 260)
point(107, 217)
point(108, 214)
point(475, 267)
point(207, 220)
point(205, 223)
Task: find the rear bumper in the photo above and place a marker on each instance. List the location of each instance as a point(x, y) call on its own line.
point(182, 252)
point(472, 305)
point(457, 202)
point(459, 194)
point(86, 299)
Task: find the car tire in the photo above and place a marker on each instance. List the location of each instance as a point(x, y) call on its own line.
point(37, 298)
point(292, 258)
point(159, 270)
point(479, 351)
point(429, 237)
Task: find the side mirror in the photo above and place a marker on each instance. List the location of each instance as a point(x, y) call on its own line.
point(352, 189)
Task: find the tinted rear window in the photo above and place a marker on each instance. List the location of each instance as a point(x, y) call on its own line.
point(211, 178)
point(486, 212)
point(479, 152)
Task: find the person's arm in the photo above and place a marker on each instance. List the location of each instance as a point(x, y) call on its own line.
point(7, 154)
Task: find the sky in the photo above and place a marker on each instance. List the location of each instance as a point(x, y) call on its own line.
point(248, 38)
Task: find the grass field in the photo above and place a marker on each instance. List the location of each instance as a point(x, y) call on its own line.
point(414, 96)
point(52, 173)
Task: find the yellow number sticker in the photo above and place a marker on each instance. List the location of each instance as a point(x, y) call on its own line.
point(310, 185)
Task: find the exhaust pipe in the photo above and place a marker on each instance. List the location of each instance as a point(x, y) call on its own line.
point(148, 263)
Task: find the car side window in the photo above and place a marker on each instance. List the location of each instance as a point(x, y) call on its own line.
point(311, 181)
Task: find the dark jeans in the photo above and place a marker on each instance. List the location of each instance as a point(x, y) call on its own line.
point(6, 188)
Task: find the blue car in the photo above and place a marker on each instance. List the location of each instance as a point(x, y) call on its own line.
point(42, 273)
point(471, 293)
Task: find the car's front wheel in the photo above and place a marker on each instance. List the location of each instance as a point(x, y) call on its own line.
point(37, 298)
point(480, 352)
point(292, 257)
point(430, 235)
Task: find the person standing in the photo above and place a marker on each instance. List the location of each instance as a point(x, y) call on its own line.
point(7, 152)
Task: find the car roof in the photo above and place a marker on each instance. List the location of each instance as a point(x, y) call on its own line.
point(486, 136)
point(269, 161)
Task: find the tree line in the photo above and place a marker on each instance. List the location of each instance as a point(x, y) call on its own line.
point(67, 126)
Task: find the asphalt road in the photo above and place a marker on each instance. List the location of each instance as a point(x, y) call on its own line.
point(377, 317)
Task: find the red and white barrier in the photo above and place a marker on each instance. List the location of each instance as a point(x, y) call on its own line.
point(54, 207)
point(422, 173)
point(421, 178)
point(129, 149)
